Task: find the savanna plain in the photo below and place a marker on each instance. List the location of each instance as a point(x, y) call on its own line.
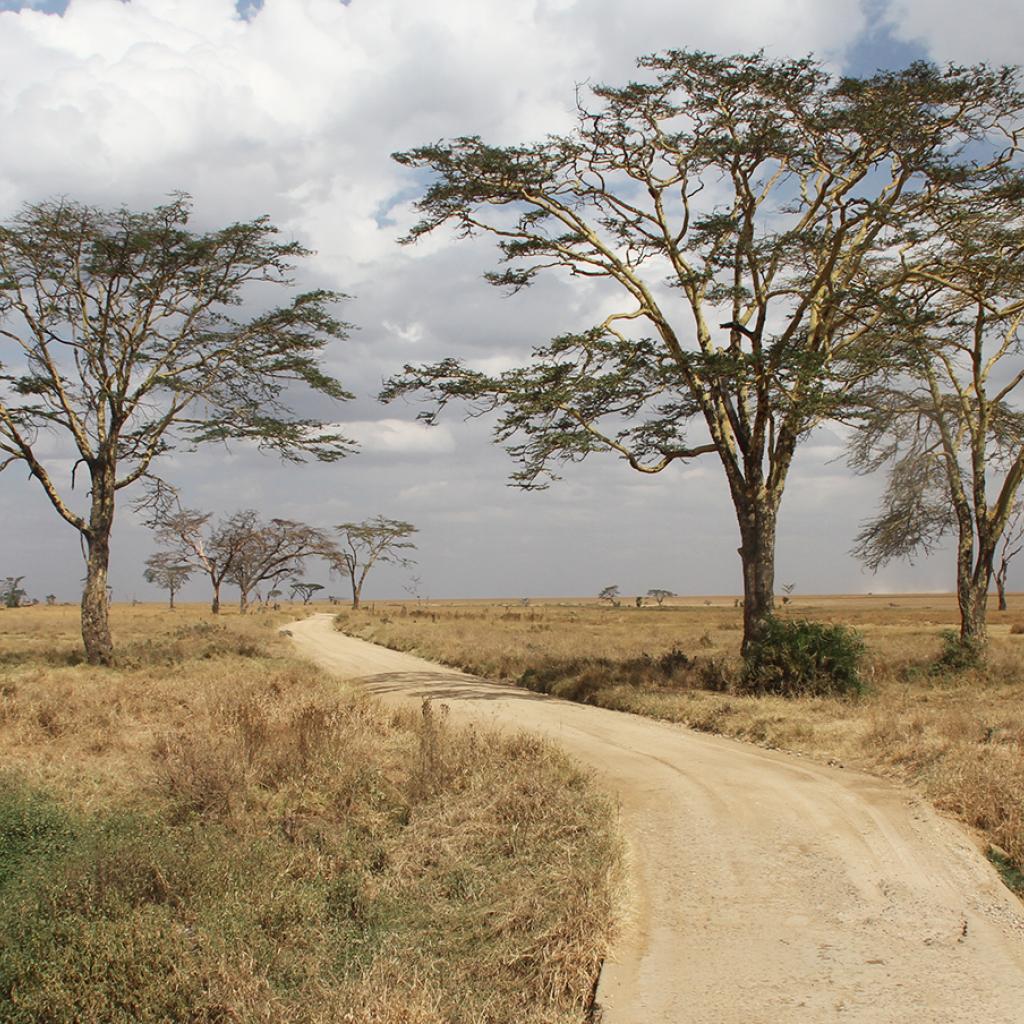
point(954, 733)
point(213, 831)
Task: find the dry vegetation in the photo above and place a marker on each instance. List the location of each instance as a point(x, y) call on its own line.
point(958, 737)
point(214, 832)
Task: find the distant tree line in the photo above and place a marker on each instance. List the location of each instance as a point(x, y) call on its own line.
point(258, 556)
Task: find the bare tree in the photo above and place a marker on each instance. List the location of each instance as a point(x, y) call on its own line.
point(184, 533)
point(271, 552)
point(659, 595)
point(119, 334)
point(165, 571)
point(363, 545)
point(1013, 541)
point(738, 206)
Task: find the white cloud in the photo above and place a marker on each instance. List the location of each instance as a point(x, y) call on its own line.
point(990, 30)
point(399, 437)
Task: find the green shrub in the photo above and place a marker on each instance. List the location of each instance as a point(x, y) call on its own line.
point(797, 658)
point(958, 655)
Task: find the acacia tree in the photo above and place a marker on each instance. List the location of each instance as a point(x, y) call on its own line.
point(184, 533)
point(364, 544)
point(12, 593)
point(739, 207)
point(270, 552)
point(950, 422)
point(659, 594)
point(120, 335)
point(307, 591)
point(165, 571)
point(1013, 542)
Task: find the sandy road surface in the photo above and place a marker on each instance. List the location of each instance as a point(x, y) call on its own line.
point(765, 889)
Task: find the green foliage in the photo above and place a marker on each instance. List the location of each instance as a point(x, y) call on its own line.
point(11, 592)
point(798, 658)
point(957, 654)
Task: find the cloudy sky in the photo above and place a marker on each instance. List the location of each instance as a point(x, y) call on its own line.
point(291, 108)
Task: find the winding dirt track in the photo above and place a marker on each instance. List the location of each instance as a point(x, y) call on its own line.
point(764, 889)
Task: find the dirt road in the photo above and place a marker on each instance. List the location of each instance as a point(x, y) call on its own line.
point(764, 889)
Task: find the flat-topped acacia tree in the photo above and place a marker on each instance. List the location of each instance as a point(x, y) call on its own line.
point(744, 210)
point(119, 333)
point(363, 545)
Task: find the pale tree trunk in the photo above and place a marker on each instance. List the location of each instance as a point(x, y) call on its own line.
point(1001, 585)
point(243, 601)
point(99, 647)
point(973, 579)
point(757, 521)
point(357, 590)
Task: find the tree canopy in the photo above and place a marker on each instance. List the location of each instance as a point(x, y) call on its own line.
point(743, 213)
point(948, 418)
point(122, 333)
point(363, 545)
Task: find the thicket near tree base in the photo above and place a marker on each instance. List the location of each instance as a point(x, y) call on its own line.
point(231, 838)
point(800, 658)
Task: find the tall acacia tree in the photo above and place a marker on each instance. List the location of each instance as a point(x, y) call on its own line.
point(739, 207)
point(119, 333)
point(949, 423)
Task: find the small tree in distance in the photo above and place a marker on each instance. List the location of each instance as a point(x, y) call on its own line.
point(659, 595)
point(305, 590)
point(12, 594)
point(363, 545)
point(1013, 541)
point(611, 595)
point(271, 552)
point(118, 333)
point(165, 571)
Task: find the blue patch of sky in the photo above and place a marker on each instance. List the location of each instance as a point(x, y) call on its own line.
point(46, 6)
point(382, 215)
point(876, 48)
point(246, 8)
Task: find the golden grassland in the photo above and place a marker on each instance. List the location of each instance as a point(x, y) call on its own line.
point(212, 831)
point(959, 738)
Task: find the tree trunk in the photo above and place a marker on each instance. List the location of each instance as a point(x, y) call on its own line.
point(243, 601)
point(99, 648)
point(356, 597)
point(973, 602)
point(757, 553)
point(357, 589)
point(1001, 586)
point(170, 603)
point(215, 603)
point(972, 583)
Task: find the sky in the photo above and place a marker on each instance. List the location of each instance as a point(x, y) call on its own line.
point(291, 108)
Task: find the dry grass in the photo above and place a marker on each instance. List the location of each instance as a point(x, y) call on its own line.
point(212, 832)
point(960, 739)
